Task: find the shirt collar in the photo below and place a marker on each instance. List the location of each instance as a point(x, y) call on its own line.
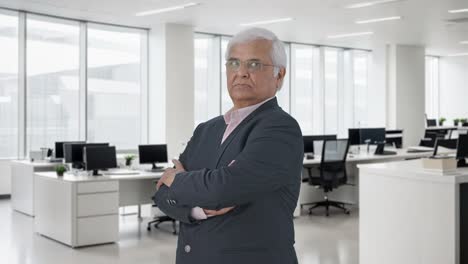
point(237, 115)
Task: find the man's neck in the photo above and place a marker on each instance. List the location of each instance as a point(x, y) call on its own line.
point(243, 104)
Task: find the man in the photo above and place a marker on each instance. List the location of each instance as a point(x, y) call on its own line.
point(237, 183)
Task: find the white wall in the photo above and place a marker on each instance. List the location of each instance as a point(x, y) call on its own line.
point(406, 91)
point(453, 91)
point(180, 88)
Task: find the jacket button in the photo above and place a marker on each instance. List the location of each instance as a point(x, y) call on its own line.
point(187, 249)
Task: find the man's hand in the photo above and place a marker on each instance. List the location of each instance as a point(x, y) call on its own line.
point(169, 174)
point(218, 212)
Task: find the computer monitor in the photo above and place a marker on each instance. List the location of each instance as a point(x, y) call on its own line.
point(354, 136)
point(59, 153)
point(446, 143)
point(431, 122)
point(73, 152)
point(462, 150)
point(152, 154)
point(372, 135)
point(309, 141)
point(360, 136)
point(99, 158)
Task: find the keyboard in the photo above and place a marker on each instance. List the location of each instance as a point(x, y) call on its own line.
point(419, 149)
point(120, 172)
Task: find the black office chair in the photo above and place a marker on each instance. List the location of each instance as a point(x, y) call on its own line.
point(331, 173)
point(161, 219)
point(430, 139)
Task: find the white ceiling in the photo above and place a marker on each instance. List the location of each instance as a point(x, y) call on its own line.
point(424, 21)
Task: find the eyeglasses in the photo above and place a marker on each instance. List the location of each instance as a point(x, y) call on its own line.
point(252, 65)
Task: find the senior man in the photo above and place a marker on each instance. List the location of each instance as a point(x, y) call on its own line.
point(237, 183)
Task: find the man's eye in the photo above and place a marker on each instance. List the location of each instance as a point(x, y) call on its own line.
point(254, 64)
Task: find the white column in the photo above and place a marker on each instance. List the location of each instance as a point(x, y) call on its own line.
point(171, 82)
point(406, 91)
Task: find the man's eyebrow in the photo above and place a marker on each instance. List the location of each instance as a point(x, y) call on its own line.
point(232, 58)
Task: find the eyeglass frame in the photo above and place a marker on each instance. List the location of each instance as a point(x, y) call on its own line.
point(247, 61)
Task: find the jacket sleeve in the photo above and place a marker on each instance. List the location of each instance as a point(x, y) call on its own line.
point(271, 159)
point(166, 204)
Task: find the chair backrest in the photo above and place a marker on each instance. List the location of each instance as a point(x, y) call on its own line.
point(333, 165)
point(446, 143)
point(335, 150)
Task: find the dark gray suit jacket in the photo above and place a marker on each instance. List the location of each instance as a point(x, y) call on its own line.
point(263, 184)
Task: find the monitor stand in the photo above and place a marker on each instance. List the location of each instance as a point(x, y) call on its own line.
point(462, 163)
point(96, 173)
point(156, 168)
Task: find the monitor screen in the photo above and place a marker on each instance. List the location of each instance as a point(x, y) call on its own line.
point(59, 150)
point(360, 136)
point(152, 153)
point(99, 157)
point(372, 135)
point(73, 152)
point(462, 147)
point(446, 143)
point(309, 141)
point(354, 136)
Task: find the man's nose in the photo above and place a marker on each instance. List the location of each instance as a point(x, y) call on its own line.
point(243, 71)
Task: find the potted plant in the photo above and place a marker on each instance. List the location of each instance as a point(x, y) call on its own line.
point(60, 169)
point(128, 159)
point(441, 121)
point(456, 121)
point(463, 121)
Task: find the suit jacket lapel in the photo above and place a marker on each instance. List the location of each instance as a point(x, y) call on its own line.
point(270, 104)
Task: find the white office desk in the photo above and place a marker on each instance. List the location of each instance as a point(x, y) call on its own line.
point(83, 210)
point(22, 183)
point(409, 215)
point(350, 193)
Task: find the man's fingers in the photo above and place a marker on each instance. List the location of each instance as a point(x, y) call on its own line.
point(178, 165)
point(217, 212)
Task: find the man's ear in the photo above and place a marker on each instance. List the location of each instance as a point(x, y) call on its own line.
point(280, 77)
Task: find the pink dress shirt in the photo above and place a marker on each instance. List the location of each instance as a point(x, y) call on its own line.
point(233, 118)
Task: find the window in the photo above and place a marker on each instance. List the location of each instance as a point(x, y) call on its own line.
point(283, 94)
point(432, 87)
point(302, 84)
point(361, 62)
point(114, 95)
point(52, 81)
point(226, 102)
point(332, 82)
point(207, 77)
point(325, 88)
point(8, 85)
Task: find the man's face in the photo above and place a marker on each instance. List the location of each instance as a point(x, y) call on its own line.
point(247, 87)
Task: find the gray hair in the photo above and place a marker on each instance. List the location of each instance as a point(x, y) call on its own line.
point(277, 53)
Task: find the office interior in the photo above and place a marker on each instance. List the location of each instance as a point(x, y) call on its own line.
point(116, 88)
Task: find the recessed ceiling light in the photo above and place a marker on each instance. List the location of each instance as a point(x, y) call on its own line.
point(371, 3)
point(167, 9)
point(464, 42)
point(458, 54)
point(458, 11)
point(375, 20)
point(279, 20)
point(351, 35)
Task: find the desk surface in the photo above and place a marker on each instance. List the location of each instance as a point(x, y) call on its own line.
point(414, 170)
point(41, 163)
point(363, 156)
point(142, 175)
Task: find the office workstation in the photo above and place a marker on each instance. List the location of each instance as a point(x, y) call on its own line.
point(97, 99)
